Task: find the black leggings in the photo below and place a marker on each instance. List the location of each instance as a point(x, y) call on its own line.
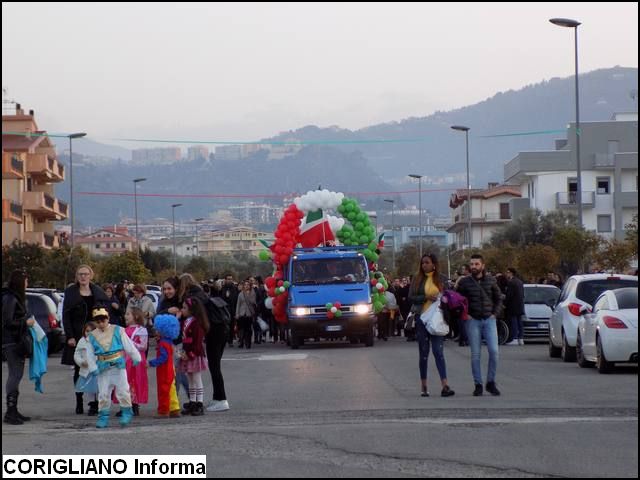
point(215, 343)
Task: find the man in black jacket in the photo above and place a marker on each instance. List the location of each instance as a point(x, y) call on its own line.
point(514, 307)
point(229, 293)
point(484, 299)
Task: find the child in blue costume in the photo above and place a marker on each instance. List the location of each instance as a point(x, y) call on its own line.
point(108, 343)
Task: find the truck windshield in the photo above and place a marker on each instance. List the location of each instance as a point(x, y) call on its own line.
point(328, 271)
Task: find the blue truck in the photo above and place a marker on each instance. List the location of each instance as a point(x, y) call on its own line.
point(329, 275)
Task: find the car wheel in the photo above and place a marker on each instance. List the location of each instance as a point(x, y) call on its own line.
point(503, 332)
point(603, 365)
point(554, 352)
point(582, 362)
point(568, 354)
point(368, 339)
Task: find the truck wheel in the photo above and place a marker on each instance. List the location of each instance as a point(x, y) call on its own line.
point(368, 339)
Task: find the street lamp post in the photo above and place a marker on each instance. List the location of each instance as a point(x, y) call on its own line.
point(462, 128)
point(567, 22)
point(419, 177)
point(71, 137)
point(173, 223)
point(393, 230)
point(135, 200)
point(199, 219)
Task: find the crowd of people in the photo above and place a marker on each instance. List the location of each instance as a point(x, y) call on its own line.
point(110, 328)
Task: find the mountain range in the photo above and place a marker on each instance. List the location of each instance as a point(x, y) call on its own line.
point(358, 166)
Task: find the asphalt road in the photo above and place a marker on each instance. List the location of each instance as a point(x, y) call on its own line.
point(337, 410)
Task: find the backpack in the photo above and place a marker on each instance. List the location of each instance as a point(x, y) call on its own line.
point(218, 312)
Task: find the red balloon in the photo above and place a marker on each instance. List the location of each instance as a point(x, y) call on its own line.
point(280, 283)
point(330, 315)
point(284, 259)
point(271, 292)
point(337, 305)
point(278, 275)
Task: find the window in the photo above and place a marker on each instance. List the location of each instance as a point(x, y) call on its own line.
point(97, 245)
point(122, 245)
point(604, 223)
point(602, 185)
point(108, 245)
point(504, 211)
point(572, 188)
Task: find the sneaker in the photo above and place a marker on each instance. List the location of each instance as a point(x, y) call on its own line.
point(512, 343)
point(520, 341)
point(492, 389)
point(447, 392)
point(218, 406)
point(424, 393)
point(478, 390)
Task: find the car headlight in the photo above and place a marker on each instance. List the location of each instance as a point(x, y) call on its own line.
point(362, 309)
point(301, 311)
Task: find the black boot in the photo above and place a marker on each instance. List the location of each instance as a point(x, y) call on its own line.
point(198, 409)
point(93, 408)
point(20, 416)
point(188, 408)
point(11, 417)
point(136, 410)
point(79, 406)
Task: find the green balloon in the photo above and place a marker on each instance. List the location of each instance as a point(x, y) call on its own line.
point(329, 305)
point(351, 216)
point(338, 313)
point(349, 207)
point(340, 209)
point(364, 240)
point(373, 246)
point(359, 226)
point(264, 255)
point(286, 284)
point(374, 257)
point(367, 253)
point(377, 307)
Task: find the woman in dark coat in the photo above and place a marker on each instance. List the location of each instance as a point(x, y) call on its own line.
point(15, 324)
point(79, 301)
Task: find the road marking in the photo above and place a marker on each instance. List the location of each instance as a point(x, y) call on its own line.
point(285, 356)
point(529, 420)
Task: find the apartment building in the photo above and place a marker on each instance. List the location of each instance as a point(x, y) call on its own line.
point(107, 241)
point(547, 180)
point(490, 209)
point(30, 169)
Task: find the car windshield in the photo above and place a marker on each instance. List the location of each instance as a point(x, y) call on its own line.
point(329, 271)
point(541, 295)
point(627, 298)
point(588, 291)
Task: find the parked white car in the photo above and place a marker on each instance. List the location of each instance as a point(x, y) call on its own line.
point(538, 303)
point(577, 298)
point(609, 335)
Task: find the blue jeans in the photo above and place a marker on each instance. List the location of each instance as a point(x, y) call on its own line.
point(517, 327)
point(437, 343)
point(476, 330)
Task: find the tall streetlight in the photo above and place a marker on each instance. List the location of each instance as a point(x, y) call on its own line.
point(173, 223)
point(462, 128)
point(199, 219)
point(393, 229)
point(419, 177)
point(567, 22)
point(73, 223)
point(136, 181)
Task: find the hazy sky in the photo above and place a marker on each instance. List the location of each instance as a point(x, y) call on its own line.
point(244, 71)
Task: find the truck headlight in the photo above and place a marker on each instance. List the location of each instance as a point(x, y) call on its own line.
point(301, 311)
point(362, 309)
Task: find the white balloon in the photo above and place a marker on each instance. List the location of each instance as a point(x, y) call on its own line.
point(268, 302)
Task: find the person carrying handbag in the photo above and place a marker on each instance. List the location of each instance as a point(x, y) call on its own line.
point(426, 288)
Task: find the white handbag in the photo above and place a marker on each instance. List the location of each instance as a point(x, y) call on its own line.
point(264, 326)
point(433, 319)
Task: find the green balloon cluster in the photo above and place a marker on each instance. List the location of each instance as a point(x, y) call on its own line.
point(360, 232)
point(377, 294)
point(264, 255)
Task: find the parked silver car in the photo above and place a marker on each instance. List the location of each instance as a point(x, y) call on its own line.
point(539, 300)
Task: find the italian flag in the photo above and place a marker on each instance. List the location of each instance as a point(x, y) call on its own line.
point(315, 230)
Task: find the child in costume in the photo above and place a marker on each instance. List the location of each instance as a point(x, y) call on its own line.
point(88, 380)
point(167, 330)
point(193, 360)
point(137, 375)
point(109, 343)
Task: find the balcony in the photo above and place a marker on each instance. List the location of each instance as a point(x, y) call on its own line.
point(40, 204)
point(46, 240)
point(44, 168)
point(625, 199)
point(11, 211)
point(604, 160)
point(569, 199)
point(12, 166)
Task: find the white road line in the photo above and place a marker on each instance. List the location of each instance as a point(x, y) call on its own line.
point(528, 420)
point(286, 356)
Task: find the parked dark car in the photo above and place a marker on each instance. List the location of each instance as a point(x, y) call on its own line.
point(44, 311)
